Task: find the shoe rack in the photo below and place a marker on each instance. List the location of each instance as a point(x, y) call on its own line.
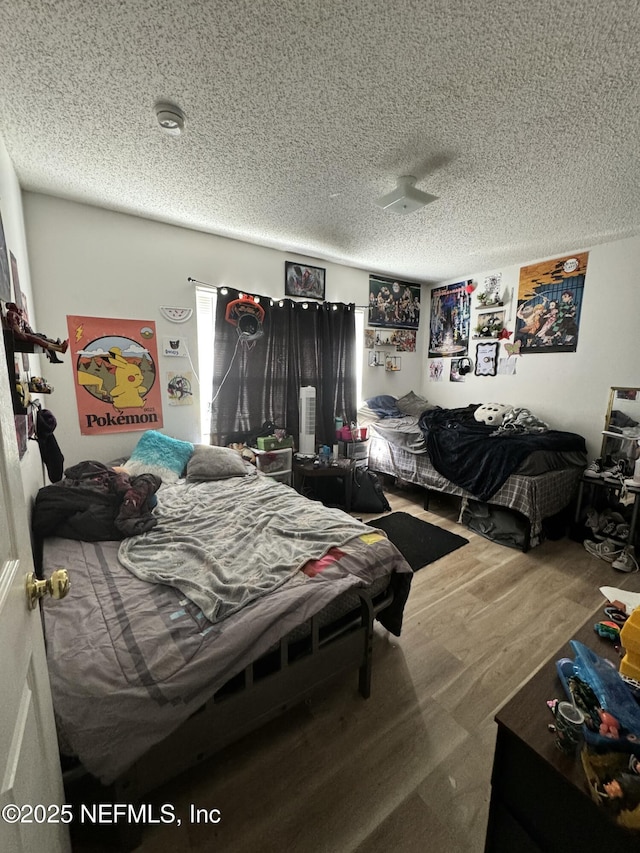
point(587, 490)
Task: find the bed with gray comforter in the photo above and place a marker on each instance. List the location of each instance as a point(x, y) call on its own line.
point(156, 623)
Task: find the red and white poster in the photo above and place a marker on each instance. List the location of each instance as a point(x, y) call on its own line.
point(115, 366)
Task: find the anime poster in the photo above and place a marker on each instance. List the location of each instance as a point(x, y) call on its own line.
point(5, 280)
point(404, 340)
point(180, 388)
point(450, 320)
point(116, 374)
point(393, 304)
point(549, 304)
point(454, 371)
point(21, 433)
point(436, 370)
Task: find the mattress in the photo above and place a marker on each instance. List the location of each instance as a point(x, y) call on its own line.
point(536, 497)
point(129, 660)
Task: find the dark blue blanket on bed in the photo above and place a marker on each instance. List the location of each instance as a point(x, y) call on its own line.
point(479, 458)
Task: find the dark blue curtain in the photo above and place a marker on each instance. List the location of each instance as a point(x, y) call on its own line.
point(260, 380)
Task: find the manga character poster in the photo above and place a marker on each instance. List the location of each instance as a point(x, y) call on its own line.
point(393, 304)
point(5, 280)
point(115, 365)
point(180, 388)
point(549, 304)
point(450, 320)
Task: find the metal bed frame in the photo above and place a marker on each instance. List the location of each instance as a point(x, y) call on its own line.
point(266, 688)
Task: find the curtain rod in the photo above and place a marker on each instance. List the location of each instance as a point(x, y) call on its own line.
point(215, 288)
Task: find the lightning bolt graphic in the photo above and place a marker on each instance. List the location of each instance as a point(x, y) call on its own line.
point(79, 333)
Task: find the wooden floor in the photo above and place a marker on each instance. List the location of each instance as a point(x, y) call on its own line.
point(408, 769)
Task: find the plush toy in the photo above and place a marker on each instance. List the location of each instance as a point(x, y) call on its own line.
point(491, 413)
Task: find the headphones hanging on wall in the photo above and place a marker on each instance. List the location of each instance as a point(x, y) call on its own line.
point(464, 366)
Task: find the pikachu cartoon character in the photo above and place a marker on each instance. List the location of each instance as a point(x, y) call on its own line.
point(128, 392)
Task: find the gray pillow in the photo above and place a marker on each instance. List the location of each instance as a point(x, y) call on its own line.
point(209, 462)
point(413, 404)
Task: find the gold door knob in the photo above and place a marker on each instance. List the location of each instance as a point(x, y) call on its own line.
point(57, 586)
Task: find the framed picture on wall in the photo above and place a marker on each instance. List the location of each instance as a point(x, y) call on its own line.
point(304, 281)
point(393, 304)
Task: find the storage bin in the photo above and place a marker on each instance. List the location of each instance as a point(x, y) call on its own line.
point(355, 434)
point(274, 461)
point(282, 477)
point(354, 449)
point(270, 442)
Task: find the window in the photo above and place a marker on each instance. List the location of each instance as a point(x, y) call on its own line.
point(206, 299)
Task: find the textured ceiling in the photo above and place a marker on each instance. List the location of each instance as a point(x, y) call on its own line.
point(521, 117)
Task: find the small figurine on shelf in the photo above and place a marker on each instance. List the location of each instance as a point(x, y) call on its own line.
point(38, 385)
point(16, 322)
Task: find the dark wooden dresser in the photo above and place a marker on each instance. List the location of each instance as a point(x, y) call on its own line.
point(540, 800)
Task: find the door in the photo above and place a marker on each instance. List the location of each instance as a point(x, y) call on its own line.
point(31, 794)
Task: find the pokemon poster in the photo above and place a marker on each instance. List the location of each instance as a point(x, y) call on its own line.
point(115, 365)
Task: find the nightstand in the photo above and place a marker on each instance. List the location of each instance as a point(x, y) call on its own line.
point(341, 467)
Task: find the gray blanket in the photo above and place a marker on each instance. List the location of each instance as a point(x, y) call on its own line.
point(129, 660)
point(226, 543)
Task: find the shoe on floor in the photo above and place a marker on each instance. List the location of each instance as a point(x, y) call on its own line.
point(609, 523)
point(593, 520)
point(606, 550)
point(594, 469)
point(626, 562)
point(617, 473)
point(622, 531)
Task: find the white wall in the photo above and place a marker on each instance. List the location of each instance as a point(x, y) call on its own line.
point(93, 262)
point(85, 260)
point(31, 466)
point(569, 391)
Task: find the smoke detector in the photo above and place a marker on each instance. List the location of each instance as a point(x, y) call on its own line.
point(405, 198)
point(170, 118)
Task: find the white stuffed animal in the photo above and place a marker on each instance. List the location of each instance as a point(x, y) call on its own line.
point(491, 413)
